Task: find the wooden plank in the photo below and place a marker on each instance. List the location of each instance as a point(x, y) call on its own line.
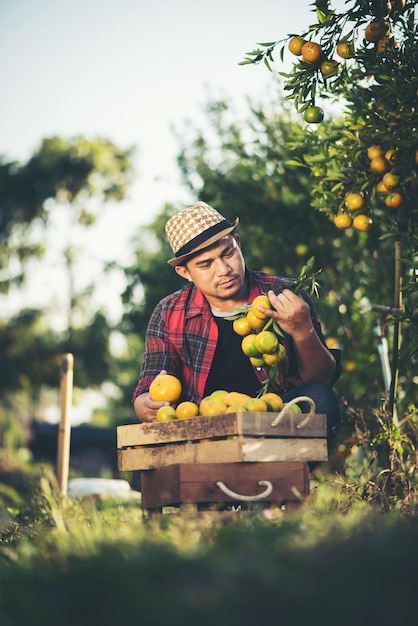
point(194, 483)
point(258, 424)
point(240, 449)
point(223, 425)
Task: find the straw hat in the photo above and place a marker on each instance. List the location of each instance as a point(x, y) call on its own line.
point(194, 229)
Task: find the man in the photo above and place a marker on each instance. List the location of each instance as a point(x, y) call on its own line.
point(189, 336)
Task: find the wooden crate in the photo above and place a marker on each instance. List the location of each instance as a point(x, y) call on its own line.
point(281, 483)
point(243, 437)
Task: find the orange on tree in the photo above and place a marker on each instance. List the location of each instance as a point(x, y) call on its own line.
point(379, 165)
point(241, 326)
point(187, 409)
point(261, 300)
point(313, 115)
point(390, 180)
point(375, 30)
point(362, 222)
point(343, 221)
point(266, 342)
point(384, 43)
point(380, 187)
point(295, 45)
point(311, 52)
point(329, 68)
point(165, 388)
point(374, 152)
point(393, 200)
point(391, 155)
point(166, 413)
point(301, 249)
point(345, 49)
point(255, 322)
point(354, 201)
point(273, 400)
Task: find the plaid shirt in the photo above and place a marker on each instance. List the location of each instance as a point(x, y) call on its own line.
point(182, 334)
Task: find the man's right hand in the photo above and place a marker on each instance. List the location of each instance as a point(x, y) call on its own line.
point(145, 408)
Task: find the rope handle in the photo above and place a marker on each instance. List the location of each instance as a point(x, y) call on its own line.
point(238, 496)
point(280, 415)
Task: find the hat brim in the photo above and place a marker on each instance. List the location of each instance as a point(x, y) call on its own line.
point(179, 260)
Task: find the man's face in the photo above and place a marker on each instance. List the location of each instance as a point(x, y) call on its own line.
point(218, 271)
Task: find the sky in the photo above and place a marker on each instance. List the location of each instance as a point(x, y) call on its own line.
point(127, 71)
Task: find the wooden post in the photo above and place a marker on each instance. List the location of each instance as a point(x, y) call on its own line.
point(64, 433)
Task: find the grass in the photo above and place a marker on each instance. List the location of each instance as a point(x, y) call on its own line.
point(337, 558)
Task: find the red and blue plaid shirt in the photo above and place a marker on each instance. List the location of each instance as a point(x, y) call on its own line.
point(182, 335)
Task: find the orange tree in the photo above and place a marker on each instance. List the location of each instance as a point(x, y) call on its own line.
point(366, 161)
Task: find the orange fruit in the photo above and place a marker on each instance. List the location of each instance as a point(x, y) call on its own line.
point(211, 407)
point(266, 342)
point(255, 322)
point(343, 221)
point(256, 404)
point(261, 300)
point(219, 394)
point(393, 200)
point(379, 165)
point(166, 413)
point(165, 388)
point(249, 347)
point(313, 115)
point(354, 201)
point(311, 52)
point(281, 353)
point(390, 180)
point(329, 68)
point(345, 49)
point(374, 152)
point(241, 326)
point(295, 45)
point(257, 361)
point(293, 408)
point(273, 400)
point(234, 408)
point(375, 30)
point(237, 398)
point(331, 342)
point(270, 359)
point(350, 366)
point(301, 249)
point(380, 187)
point(384, 43)
point(187, 409)
point(362, 222)
point(391, 155)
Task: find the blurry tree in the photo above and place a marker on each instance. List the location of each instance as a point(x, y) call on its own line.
point(76, 177)
point(366, 161)
point(78, 174)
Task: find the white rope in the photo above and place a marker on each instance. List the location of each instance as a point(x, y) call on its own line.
point(238, 496)
point(280, 415)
